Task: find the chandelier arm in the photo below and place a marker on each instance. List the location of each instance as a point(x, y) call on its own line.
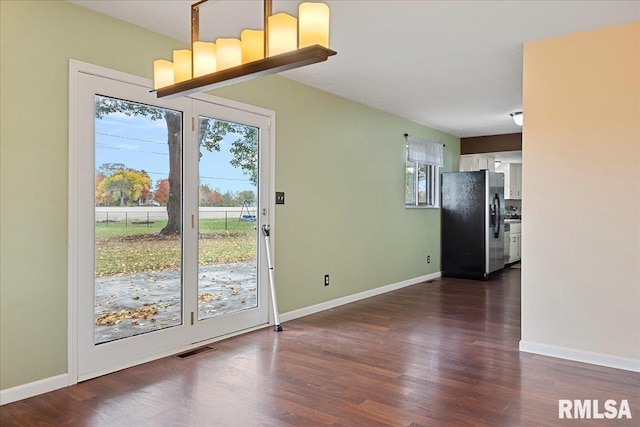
point(266, 14)
point(195, 21)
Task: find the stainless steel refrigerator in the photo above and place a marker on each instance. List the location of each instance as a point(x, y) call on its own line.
point(472, 224)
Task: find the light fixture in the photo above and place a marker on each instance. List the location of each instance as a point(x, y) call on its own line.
point(517, 117)
point(284, 44)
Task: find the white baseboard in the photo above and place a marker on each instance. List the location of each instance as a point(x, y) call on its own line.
point(306, 311)
point(49, 384)
point(581, 356)
point(32, 389)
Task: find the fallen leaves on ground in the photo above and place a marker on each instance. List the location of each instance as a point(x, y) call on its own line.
point(208, 297)
point(115, 317)
point(205, 297)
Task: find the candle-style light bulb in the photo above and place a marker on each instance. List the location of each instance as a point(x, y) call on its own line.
point(229, 53)
point(252, 42)
point(181, 65)
point(283, 33)
point(162, 73)
point(204, 58)
point(313, 24)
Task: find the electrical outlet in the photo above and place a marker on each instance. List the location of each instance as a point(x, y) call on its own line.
point(428, 259)
point(326, 280)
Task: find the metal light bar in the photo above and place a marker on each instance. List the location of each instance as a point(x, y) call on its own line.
point(271, 65)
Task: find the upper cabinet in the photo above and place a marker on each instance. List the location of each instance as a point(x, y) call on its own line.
point(477, 162)
point(512, 179)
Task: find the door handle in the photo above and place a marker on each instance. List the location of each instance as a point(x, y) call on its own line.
point(496, 197)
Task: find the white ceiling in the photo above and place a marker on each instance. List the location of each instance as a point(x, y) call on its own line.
point(455, 66)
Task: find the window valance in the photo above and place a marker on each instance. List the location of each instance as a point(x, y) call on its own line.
point(423, 151)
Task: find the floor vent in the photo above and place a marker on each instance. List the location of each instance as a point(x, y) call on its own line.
point(194, 352)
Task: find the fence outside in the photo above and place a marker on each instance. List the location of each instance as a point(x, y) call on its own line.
point(146, 216)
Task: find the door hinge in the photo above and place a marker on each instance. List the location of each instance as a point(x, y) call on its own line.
point(193, 123)
point(192, 318)
point(193, 221)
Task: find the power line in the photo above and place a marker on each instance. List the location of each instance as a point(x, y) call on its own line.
point(223, 179)
point(130, 138)
point(201, 177)
point(110, 147)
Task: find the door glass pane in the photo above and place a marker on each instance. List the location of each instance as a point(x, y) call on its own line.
point(228, 237)
point(138, 208)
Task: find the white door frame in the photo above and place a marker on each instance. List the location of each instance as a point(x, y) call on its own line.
point(76, 68)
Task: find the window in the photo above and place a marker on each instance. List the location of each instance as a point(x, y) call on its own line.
point(422, 173)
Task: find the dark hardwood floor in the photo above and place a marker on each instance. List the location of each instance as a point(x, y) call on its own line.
point(443, 353)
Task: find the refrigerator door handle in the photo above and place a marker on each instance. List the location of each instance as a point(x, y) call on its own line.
point(492, 213)
point(496, 198)
point(492, 209)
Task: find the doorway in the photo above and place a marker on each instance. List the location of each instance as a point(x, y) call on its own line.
point(168, 199)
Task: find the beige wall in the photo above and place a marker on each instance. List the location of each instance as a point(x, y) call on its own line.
point(340, 164)
point(581, 235)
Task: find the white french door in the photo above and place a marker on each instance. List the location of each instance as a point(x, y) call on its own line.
point(232, 288)
point(168, 199)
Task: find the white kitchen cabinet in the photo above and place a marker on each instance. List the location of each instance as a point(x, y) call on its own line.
point(477, 162)
point(512, 180)
point(515, 246)
point(516, 180)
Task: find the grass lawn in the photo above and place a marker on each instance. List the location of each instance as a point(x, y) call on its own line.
point(127, 249)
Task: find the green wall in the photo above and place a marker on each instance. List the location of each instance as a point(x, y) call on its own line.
point(339, 162)
point(341, 165)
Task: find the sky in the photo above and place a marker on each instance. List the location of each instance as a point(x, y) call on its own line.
point(141, 143)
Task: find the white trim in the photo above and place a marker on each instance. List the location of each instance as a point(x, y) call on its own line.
point(24, 391)
point(76, 66)
point(76, 69)
point(169, 352)
point(581, 356)
point(312, 309)
point(72, 251)
point(46, 385)
point(49, 384)
point(96, 70)
point(230, 103)
point(272, 204)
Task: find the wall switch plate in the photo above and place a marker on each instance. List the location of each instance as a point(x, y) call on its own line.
point(279, 197)
point(326, 280)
